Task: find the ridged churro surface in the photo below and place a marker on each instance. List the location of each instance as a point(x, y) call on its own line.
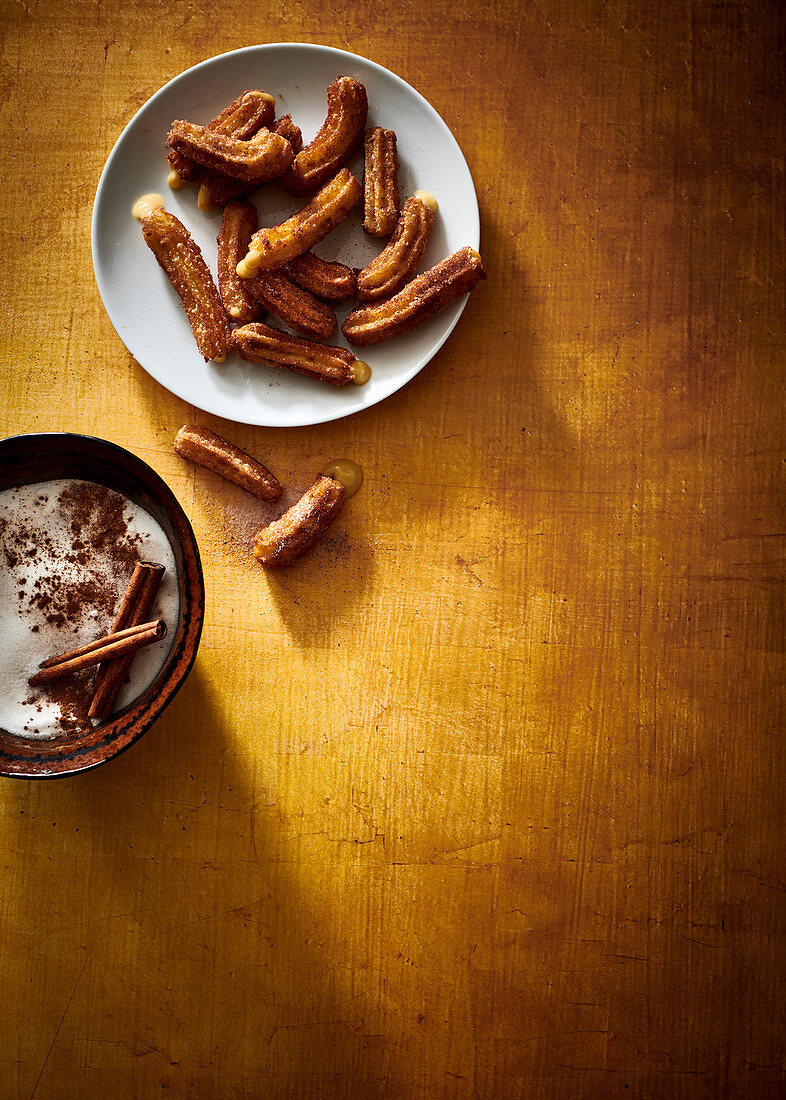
point(238, 223)
point(212, 451)
point(388, 271)
point(336, 140)
point(252, 110)
point(259, 343)
point(221, 189)
point(263, 157)
point(328, 279)
point(280, 243)
point(301, 526)
point(380, 182)
point(295, 306)
point(182, 261)
point(419, 300)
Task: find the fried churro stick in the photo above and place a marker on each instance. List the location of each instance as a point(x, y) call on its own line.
point(263, 157)
point(388, 271)
point(245, 115)
point(258, 343)
point(180, 257)
point(204, 447)
point(237, 226)
point(380, 182)
point(418, 301)
point(295, 306)
point(272, 247)
point(336, 140)
point(218, 189)
point(301, 526)
point(327, 279)
point(289, 130)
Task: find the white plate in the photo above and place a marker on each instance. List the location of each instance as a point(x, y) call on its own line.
point(146, 312)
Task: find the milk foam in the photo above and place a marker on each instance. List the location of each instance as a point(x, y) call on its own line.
point(37, 539)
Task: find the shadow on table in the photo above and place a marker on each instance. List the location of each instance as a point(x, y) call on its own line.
point(206, 948)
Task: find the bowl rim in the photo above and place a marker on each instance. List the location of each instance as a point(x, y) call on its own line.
point(143, 711)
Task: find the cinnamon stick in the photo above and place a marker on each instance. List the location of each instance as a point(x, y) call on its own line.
point(110, 647)
point(134, 609)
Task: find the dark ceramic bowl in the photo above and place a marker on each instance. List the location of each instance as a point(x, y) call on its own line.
point(25, 459)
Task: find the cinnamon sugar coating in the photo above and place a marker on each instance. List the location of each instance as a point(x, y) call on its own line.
point(380, 182)
point(238, 224)
point(327, 279)
point(419, 300)
point(289, 537)
point(222, 189)
point(204, 447)
point(182, 261)
point(257, 160)
point(259, 343)
point(252, 110)
point(280, 243)
point(336, 140)
point(295, 306)
point(388, 271)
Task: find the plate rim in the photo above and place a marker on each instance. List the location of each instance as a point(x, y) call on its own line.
point(241, 415)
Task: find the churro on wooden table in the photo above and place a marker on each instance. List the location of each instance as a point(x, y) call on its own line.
point(182, 262)
point(204, 447)
point(259, 343)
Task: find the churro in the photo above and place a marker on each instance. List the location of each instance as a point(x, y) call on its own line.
point(274, 246)
point(419, 300)
point(238, 224)
point(327, 279)
point(259, 343)
point(184, 266)
point(336, 140)
point(207, 449)
point(217, 189)
point(242, 118)
point(380, 182)
point(257, 160)
point(388, 271)
point(302, 525)
point(295, 306)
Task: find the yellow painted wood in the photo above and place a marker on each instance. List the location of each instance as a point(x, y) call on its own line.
point(484, 798)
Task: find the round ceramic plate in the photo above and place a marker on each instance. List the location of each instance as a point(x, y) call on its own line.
point(146, 312)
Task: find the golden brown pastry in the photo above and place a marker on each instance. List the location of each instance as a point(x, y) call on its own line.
point(242, 118)
point(388, 271)
point(204, 447)
point(380, 182)
point(289, 537)
point(295, 306)
point(259, 343)
point(263, 157)
point(419, 300)
point(218, 189)
point(276, 245)
point(182, 262)
point(327, 279)
point(238, 224)
point(336, 140)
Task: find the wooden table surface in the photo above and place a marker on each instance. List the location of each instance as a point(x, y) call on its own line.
point(484, 798)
